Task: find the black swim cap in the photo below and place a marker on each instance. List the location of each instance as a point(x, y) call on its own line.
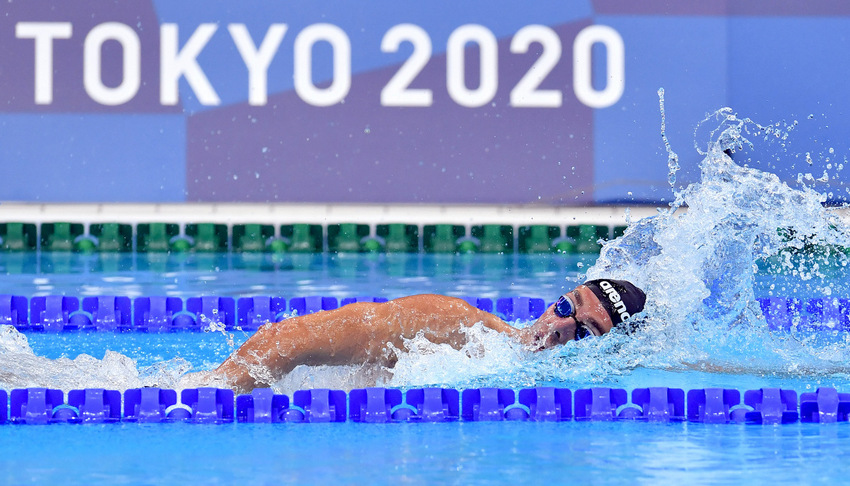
point(620, 298)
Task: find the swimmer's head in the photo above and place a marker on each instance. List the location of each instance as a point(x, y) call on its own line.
point(590, 309)
point(620, 298)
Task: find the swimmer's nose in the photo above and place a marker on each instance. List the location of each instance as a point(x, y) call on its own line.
point(549, 331)
point(551, 335)
point(559, 334)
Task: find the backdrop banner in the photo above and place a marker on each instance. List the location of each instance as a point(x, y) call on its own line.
point(537, 102)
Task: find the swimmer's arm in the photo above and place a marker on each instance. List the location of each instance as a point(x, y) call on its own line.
point(355, 333)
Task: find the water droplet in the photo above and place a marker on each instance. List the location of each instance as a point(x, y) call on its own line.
point(672, 157)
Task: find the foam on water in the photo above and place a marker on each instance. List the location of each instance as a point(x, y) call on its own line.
point(699, 267)
point(20, 367)
point(700, 262)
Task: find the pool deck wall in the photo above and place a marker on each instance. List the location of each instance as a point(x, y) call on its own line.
point(235, 213)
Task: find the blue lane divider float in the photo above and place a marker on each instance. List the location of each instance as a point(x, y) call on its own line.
point(599, 404)
point(35, 405)
point(525, 308)
point(96, 405)
point(13, 311)
point(381, 405)
point(148, 405)
point(253, 312)
point(212, 311)
point(157, 314)
point(486, 404)
point(430, 405)
point(107, 313)
point(771, 406)
point(373, 405)
point(319, 405)
point(547, 404)
point(712, 405)
point(825, 405)
point(261, 406)
point(656, 404)
point(53, 313)
point(209, 405)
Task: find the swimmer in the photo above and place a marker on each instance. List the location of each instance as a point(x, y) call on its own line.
point(363, 332)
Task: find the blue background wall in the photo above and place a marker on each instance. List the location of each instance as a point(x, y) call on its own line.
point(772, 61)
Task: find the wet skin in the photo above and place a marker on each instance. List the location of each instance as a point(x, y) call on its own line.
point(366, 332)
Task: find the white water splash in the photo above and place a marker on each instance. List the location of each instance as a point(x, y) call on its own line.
point(489, 358)
point(699, 267)
point(672, 157)
point(700, 261)
point(21, 368)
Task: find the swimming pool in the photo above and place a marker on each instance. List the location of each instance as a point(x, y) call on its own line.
point(706, 270)
point(457, 452)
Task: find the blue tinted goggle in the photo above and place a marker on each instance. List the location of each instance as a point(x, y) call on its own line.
point(565, 307)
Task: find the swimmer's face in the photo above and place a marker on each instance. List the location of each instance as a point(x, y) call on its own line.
point(550, 330)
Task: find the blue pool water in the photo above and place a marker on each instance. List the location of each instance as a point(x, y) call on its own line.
point(745, 236)
point(453, 453)
point(459, 453)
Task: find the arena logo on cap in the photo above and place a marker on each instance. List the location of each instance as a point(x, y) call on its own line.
point(615, 299)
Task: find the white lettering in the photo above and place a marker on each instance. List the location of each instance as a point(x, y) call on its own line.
point(257, 60)
point(615, 299)
point(43, 34)
point(182, 61)
point(175, 63)
point(303, 75)
point(488, 60)
point(397, 91)
point(92, 63)
point(526, 92)
point(615, 67)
